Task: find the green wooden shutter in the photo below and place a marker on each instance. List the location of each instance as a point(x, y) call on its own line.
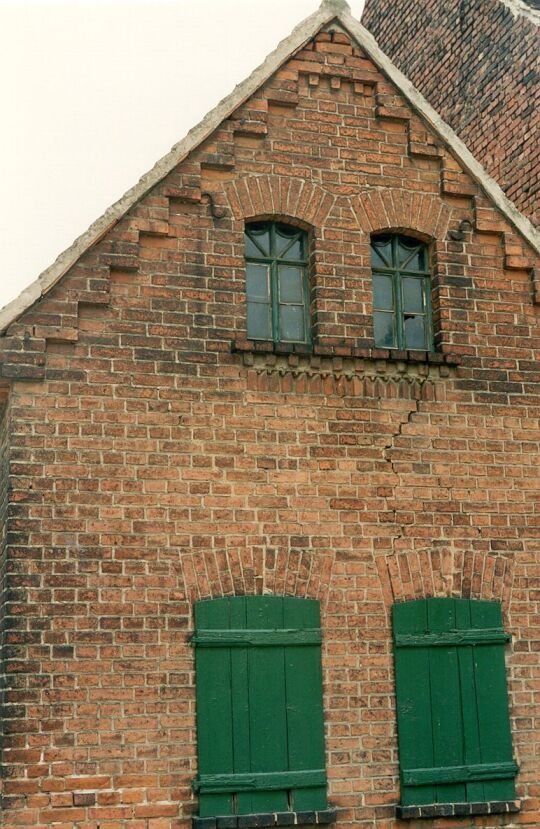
point(259, 705)
point(452, 705)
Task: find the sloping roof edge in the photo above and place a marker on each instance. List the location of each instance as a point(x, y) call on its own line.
point(302, 33)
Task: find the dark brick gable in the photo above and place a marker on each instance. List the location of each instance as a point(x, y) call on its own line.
point(476, 63)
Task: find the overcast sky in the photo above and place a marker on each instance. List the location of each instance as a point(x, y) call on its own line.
point(93, 92)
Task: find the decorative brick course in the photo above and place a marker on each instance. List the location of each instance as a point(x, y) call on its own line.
point(147, 464)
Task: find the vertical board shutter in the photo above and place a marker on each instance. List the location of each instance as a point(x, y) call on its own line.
point(259, 705)
point(452, 704)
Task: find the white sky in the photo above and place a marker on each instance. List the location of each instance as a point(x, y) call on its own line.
point(93, 92)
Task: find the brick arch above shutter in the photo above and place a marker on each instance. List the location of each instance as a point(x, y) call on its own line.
point(447, 573)
point(402, 211)
point(279, 197)
point(262, 570)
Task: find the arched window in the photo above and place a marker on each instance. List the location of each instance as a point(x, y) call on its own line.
point(277, 283)
point(401, 293)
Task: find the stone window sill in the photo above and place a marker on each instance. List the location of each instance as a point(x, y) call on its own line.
point(302, 349)
point(490, 807)
point(323, 817)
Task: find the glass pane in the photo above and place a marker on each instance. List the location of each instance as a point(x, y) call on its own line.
point(257, 282)
point(259, 233)
point(411, 254)
point(383, 324)
point(295, 251)
point(415, 332)
point(291, 323)
point(381, 251)
point(289, 242)
point(290, 284)
point(259, 326)
point(412, 294)
point(383, 295)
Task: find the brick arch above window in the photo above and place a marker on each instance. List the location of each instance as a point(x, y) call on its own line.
point(447, 573)
point(279, 197)
point(400, 211)
point(261, 570)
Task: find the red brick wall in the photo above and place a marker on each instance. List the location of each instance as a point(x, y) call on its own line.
point(152, 464)
point(476, 63)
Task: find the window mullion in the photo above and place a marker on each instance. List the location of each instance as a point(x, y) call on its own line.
point(274, 294)
point(400, 332)
point(426, 286)
point(307, 304)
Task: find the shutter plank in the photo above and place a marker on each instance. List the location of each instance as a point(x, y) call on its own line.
point(492, 698)
point(304, 695)
point(268, 726)
point(240, 704)
point(472, 754)
point(445, 699)
point(214, 707)
point(413, 700)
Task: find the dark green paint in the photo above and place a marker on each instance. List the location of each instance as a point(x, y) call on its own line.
point(452, 637)
point(263, 781)
point(269, 753)
point(262, 638)
point(458, 774)
point(413, 701)
point(267, 713)
point(214, 710)
point(452, 706)
point(304, 702)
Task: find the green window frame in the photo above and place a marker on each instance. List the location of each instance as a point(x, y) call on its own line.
point(277, 285)
point(259, 706)
point(402, 317)
point(454, 736)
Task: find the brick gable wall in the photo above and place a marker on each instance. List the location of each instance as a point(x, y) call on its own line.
point(476, 63)
point(159, 457)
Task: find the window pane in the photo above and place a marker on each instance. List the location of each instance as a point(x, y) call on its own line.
point(257, 282)
point(260, 233)
point(383, 324)
point(415, 332)
point(381, 251)
point(411, 254)
point(412, 294)
point(291, 323)
point(295, 251)
point(290, 284)
point(259, 326)
point(383, 295)
point(289, 242)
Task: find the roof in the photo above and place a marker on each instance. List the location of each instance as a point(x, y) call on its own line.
point(330, 11)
